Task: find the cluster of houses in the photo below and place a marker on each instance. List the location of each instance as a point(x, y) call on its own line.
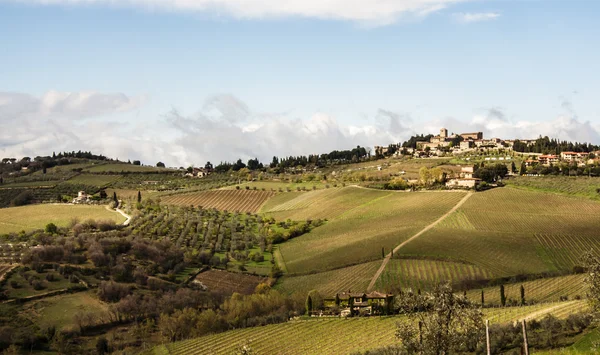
point(347, 304)
point(579, 158)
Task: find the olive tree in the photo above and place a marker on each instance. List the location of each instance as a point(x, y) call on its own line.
point(439, 322)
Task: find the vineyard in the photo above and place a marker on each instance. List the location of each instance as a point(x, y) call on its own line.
point(401, 274)
point(508, 231)
point(229, 282)
point(371, 221)
point(325, 204)
point(225, 200)
point(328, 283)
point(128, 168)
point(542, 290)
point(570, 185)
point(334, 335)
point(16, 219)
point(94, 180)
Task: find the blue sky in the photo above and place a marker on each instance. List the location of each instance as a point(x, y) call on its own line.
point(190, 81)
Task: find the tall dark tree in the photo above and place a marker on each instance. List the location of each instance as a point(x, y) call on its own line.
point(139, 198)
point(115, 198)
point(523, 170)
point(522, 295)
point(482, 298)
point(502, 296)
point(309, 305)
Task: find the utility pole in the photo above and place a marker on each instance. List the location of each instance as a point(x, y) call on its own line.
point(525, 345)
point(487, 336)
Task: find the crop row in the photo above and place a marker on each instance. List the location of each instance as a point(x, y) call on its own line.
point(352, 278)
point(566, 250)
point(542, 290)
point(333, 335)
point(359, 234)
point(424, 274)
point(229, 282)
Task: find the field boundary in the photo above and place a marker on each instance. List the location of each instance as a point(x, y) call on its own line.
point(422, 231)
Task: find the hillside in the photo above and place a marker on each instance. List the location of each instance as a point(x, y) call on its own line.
point(333, 336)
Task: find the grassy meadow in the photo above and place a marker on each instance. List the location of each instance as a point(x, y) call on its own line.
point(16, 219)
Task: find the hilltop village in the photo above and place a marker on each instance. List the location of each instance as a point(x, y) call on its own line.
point(455, 144)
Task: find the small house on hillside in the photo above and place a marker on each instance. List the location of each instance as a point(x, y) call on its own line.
point(350, 304)
point(465, 180)
point(82, 197)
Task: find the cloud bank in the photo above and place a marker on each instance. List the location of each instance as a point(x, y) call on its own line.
point(366, 11)
point(470, 17)
point(226, 128)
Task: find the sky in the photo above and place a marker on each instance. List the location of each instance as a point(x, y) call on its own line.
point(190, 81)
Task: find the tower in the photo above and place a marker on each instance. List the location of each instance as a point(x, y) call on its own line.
point(443, 133)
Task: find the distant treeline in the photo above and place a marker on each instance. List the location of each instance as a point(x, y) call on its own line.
point(291, 162)
point(546, 145)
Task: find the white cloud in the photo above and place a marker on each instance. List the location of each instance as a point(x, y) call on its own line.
point(226, 129)
point(470, 17)
point(365, 11)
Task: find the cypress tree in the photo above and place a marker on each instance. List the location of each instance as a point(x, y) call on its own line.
point(482, 299)
point(502, 296)
point(309, 305)
point(115, 198)
point(139, 197)
point(337, 299)
point(522, 295)
point(382, 253)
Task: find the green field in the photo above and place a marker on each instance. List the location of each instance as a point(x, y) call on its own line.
point(59, 311)
point(33, 184)
point(569, 185)
point(361, 223)
point(332, 335)
point(94, 180)
point(23, 287)
point(283, 185)
point(328, 283)
point(425, 274)
point(16, 219)
point(508, 231)
point(542, 290)
point(115, 167)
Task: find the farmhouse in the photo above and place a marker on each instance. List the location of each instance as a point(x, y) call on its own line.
point(82, 197)
point(465, 180)
point(373, 303)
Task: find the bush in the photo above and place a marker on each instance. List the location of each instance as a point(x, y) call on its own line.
point(37, 285)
